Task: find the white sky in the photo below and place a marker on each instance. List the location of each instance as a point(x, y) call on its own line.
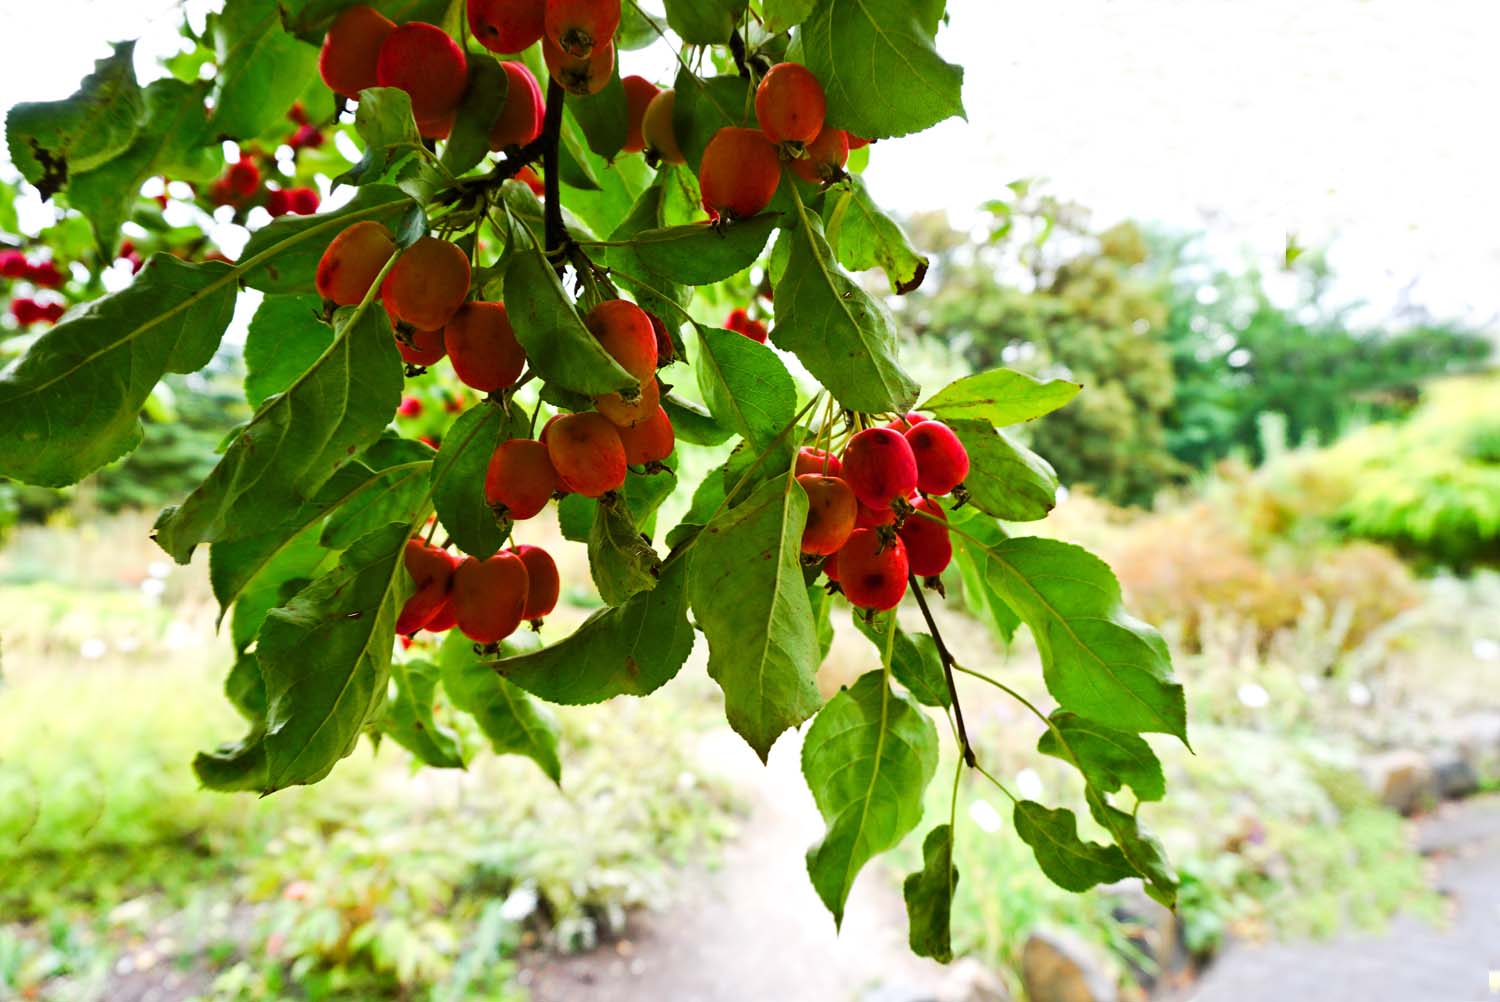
point(1366, 124)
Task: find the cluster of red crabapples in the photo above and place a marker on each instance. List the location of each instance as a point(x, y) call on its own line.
point(871, 512)
point(44, 274)
point(425, 293)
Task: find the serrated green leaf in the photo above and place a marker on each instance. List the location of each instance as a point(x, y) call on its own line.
point(603, 116)
point(700, 254)
point(751, 603)
point(631, 649)
point(693, 424)
point(409, 721)
point(262, 68)
point(72, 403)
point(622, 563)
point(704, 22)
point(745, 385)
point(914, 659)
point(862, 48)
point(396, 490)
point(558, 346)
point(326, 657)
point(388, 131)
point(865, 237)
point(513, 722)
point(846, 338)
point(283, 255)
point(1000, 397)
point(458, 479)
point(1107, 758)
point(286, 336)
point(971, 532)
point(929, 897)
point(1006, 479)
point(172, 140)
point(288, 569)
point(1067, 860)
point(703, 107)
point(469, 142)
point(783, 15)
point(1140, 848)
point(297, 440)
point(867, 758)
point(1098, 660)
point(49, 141)
point(236, 767)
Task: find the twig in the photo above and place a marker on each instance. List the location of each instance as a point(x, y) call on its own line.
point(556, 232)
point(948, 662)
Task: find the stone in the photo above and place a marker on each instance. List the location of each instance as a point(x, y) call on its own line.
point(969, 980)
point(1401, 779)
point(1452, 775)
point(1153, 930)
point(1058, 966)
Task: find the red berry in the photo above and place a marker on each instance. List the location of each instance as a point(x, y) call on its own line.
point(45, 275)
point(306, 137)
point(26, 310)
point(587, 454)
point(410, 406)
point(856, 142)
point(789, 104)
point(427, 284)
point(51, 313)
point(303, 201)
point(542, 580)
point(352, 261)
point(625, 415)
point(297, 113)
point(929, 548)
point(879, 465)
point(483, 348)
point(529, 177)
point(824, 464)
point(872, 571)
point(520, 479)
point(639, 93)
point(426, 348)
point(826, 156)
point(831, 568)
point(243, 177)
point(443, 620)
point(624, 330)
point(279, 203)
point(907, 423)
point(13, 264)
point(577, 27)
point(831, 509)
point(432, 571)
point(870, 518)
point(438, 126)
point(520, 119)
point(351, 49)
point(580, 75)
point(739, 173)
point(507, 25)
point(424, 61)
point(489, 597)
point(657, 131)
point(942, 460)
point(648, 441)
point(739, 321)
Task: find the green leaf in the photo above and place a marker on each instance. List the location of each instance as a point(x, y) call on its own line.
point(1067, 860)
point(257, 583)
point(631, 649)
point(971, 532)
point(558, 346)
point(458, 479)
point(262, 68)
point(409, 721)
point(1098, 661)
point(700, 254)
point(396, 490)
point(1141, 848)
point(822, 606)
point(659, 293)
point(51, 140)
point(929, 897)
point(297, 440)
point(603, 117)
point(469, 142)
point(1006, 479)
point(1001, 397)
point(172, 140)
point(745, 385)
point(865, 237)
point(72, 403)
point(867, 758)
point(693, 424)
point(283, 255)
point(622, 563)
point(389, 132)
point(751, 604)
point(704, 22)
point(326, 658)
point(914, 659)
point(237, 767)
point(859, 49)
point(783, 15)
point(1107, 758)
point(638, 29)
point(513, 722)
point(286, 336)
point(846, 338)
point(703, 107)
point(246, 689)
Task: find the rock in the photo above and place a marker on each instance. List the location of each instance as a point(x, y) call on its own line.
point(968, 980)
point(1401, 779)
point(1153, 930)
point(1452, 775)
point(1057, 966)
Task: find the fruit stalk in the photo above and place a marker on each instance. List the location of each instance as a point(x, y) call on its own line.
point(947, 658)
point(556, 233)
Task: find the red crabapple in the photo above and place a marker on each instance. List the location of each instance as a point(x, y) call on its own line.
point(542, 582)
point(507, 25)
point(739, 321)
point(489, 597)
point(351, 49)
point(942, 460)
point(622, 414)
point(929, 548)
point(639, 93)
point(873, 571)
point(520, 119)
point(352, 261)
point(520, 479)
point(625, 332)
point(824, 464)
point(424, 61)
point(578, 27)
point(879, 465)
point(657, 130)
point(483, 348)
point(739, 173)
point(426, 348)
point(587, 454)
point(789, 104)
point(831, 509)
point(649, 441)
point(432, 571)
point(582, 76)
point(826, 156)
point(427, 284)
